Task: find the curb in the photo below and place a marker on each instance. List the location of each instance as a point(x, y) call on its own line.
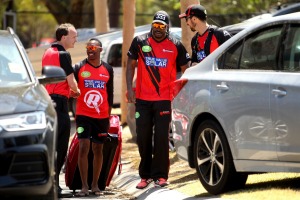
point(128, 179)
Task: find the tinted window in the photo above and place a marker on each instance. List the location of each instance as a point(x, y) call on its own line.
point(115, 55)
point(291, 56)
point(257, 52)
point(230, 60)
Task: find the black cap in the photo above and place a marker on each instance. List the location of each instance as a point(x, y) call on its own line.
point(195, 10)
point(161, 17)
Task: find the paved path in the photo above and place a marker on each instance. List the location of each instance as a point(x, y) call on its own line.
point(123, 186)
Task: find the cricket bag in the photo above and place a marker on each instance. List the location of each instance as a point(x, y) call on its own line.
point(111, 158)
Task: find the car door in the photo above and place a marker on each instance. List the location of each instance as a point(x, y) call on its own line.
point(241, 94)
point(285, 101)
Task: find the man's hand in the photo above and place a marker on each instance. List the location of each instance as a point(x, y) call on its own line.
point(75, 94)
point(130, 94)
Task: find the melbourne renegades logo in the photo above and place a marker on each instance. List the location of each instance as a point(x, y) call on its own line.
point(93, 99)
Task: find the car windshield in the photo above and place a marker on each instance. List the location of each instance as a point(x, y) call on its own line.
point(12, 67)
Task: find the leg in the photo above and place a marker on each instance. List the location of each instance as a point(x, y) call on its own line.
point(97, 166)
point(63, 134)
point(144, 130)
point(160, 162)
point(84, 147)
point(62, 140)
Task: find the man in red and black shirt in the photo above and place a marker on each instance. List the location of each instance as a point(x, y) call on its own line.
point(93, 108)
point(56, 55)
point(158, 57)
point(207, 38)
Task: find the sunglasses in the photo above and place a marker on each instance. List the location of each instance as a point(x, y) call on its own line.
point(92, 48)
point(161, 26)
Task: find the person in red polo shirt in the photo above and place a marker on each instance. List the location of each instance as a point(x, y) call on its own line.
point(57, 55)
point(208, 37)
point(158, 57)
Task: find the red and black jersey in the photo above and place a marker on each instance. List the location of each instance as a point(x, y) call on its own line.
point(96, 87)
point(56, 55)
point(210, 40)
point(158, 63)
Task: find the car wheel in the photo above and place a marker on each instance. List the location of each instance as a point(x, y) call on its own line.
point(213, 160)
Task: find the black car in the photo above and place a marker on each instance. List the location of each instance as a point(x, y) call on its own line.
point(28, 124)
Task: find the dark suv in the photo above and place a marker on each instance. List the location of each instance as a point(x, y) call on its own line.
point(28, 124)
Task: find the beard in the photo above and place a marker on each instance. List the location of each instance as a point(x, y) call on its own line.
point(192, 26)
point(159, 34)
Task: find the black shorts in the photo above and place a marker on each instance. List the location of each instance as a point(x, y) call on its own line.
point(91, 128)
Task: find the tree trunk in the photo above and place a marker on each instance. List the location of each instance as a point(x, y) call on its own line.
point(101, 16)
point(76, 16)
point(187, 34)
point(114, 12)
point(128, 32)
point(63, 12)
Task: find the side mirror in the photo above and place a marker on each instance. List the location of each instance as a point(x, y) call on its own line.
point(52, 74)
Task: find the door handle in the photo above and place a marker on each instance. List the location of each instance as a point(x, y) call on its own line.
point(223, 86)
point(279, 92)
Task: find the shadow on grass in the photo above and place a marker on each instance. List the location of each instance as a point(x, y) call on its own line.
point(290, 183)
point(285, 183)
point(185, 179)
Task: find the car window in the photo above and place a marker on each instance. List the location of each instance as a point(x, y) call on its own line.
point(291, 56)
point(257, 52)
point(12, 68)
point(115, 55)
point(230, 60)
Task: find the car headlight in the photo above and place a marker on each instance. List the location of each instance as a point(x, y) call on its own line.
point(20, 122)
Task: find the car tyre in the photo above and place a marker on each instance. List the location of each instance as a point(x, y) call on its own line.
point(213, 160)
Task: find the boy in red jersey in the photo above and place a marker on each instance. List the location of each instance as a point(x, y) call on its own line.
point(93, 108)
point(158, 57)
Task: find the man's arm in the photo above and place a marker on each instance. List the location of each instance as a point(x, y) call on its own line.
point(73, 85)
point(184, 67)
point(183, 59)
point(66, 64)
point(131, 63)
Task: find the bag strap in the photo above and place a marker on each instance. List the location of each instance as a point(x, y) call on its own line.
point(208, 41)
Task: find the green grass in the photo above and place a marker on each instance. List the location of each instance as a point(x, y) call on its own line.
point(268, 186)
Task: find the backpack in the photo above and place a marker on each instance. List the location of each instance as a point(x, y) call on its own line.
point(213, 30)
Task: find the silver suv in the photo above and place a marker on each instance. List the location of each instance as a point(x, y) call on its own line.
point(28, 124)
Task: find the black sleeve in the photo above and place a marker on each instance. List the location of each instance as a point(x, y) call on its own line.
point(183, 56)
point(133, 49)
point(110, 84)
point(66, 62)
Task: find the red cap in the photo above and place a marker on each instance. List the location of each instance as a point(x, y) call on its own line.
point(194, 10)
